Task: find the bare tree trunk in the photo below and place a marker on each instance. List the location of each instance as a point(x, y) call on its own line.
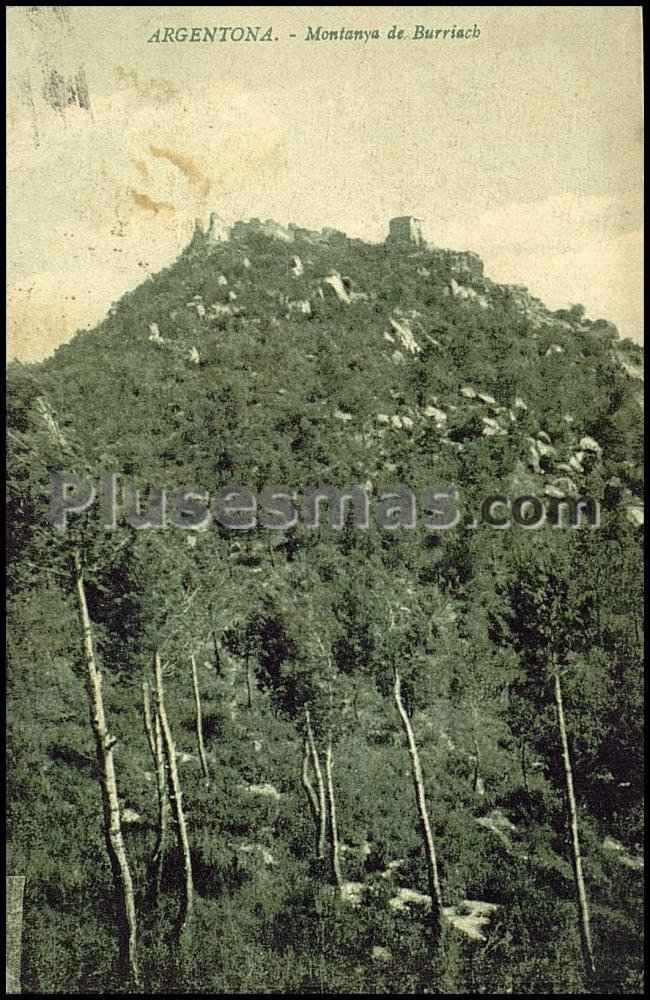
point(322, 802)
point(155, 740)
point(217, 657)
point(249, 682)
point(199, 721)
point(104, 744)
point(477, 783)
point(524, 766)
point(176, 797)
point(427, 836)
point(309, 789)
point(334, 833)
point(581, 894)
point(355, 704)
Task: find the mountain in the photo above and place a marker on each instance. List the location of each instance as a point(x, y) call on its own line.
point(413, 687)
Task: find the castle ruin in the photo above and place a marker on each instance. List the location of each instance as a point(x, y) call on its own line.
point(405, 231)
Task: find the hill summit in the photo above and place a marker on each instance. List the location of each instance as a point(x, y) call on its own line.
point(372, 348)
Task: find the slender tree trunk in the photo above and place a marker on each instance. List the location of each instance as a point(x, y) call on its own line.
point(425, 824)
point(217, 657)
point(176, 797)
point(322, 802)
point(104, 744)
point(155, 740)
point(334, 832)
point(355, 704)
point(199, 721)
point(309, 789)
point(581, 894)
point(249, 682)
point(477, 783)
point(524, 766)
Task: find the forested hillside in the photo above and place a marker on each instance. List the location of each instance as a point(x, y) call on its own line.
point(329, 759)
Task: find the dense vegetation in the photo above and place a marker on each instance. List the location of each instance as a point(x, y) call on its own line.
point(316, 650)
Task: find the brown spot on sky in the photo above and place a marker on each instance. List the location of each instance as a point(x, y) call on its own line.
point(149, 205)
point(187, 166)
point(142, 168)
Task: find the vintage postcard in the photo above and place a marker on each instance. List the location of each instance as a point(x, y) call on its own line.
point(325, 500)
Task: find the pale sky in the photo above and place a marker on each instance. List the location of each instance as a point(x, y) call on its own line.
point(524, 144)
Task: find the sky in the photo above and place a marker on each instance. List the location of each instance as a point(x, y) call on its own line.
point(523, 144)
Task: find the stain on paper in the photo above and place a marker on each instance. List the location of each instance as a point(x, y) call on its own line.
point(187, 166)
point(149, 205)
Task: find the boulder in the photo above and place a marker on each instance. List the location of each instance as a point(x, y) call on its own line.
point(335, 283)
point(545, 450)
point(217, 309)
point(130, 817)
point(353, 893)
point(197, 304)
point(621, 854)
point(406, 898)
point(635, 514)
point(301, 307)
point(439, 416)
point(590, 444)
point(565, 484)
point(492, 427)
point(405, 336)
point(266, 789)
point(296, 267)
point(471, 917)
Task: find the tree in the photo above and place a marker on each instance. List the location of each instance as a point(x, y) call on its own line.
point(550, 630)
point(153, 731)
point(104, 747)
point(176, 798)
point(307, 688)
point(411, 629)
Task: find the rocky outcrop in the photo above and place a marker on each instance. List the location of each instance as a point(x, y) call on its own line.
point(404, 335)
point(337, 285)
point(242, 230)
point(154, 334)
point(216, 231)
